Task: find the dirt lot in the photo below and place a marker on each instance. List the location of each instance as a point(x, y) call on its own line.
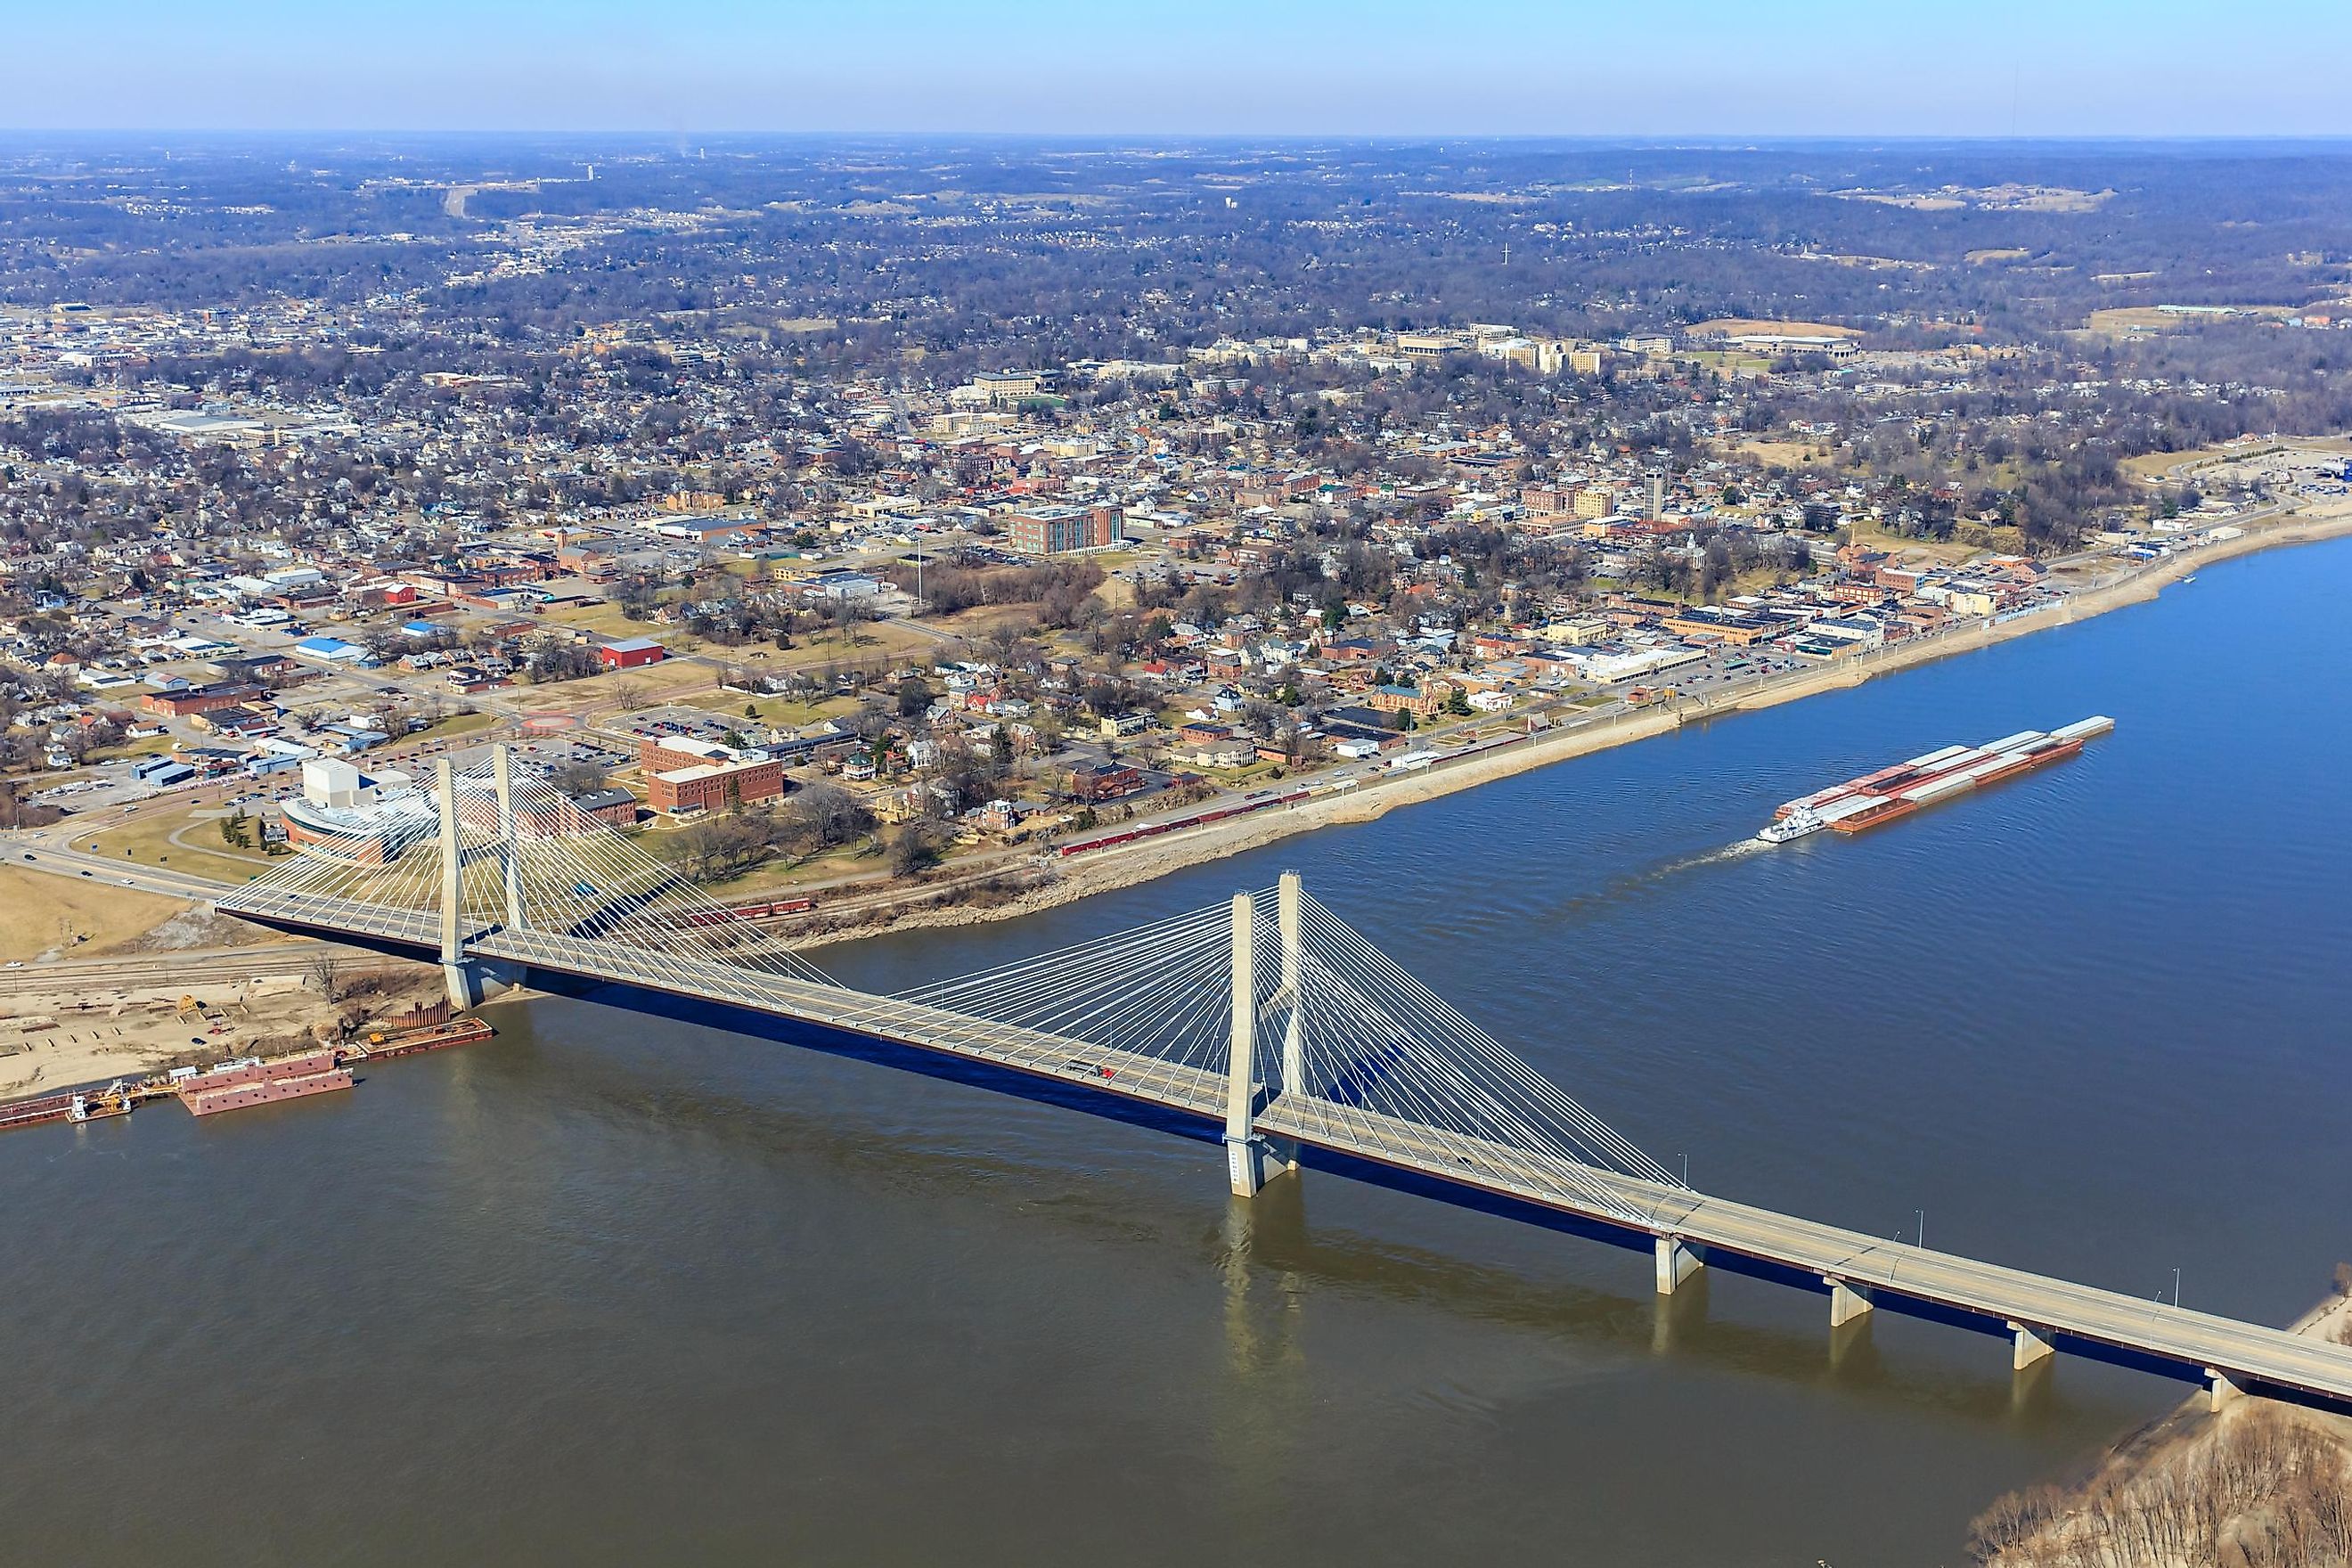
point(57, 1040)
point(1783, 453)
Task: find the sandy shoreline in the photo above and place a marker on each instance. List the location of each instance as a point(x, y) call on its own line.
point(1119, 868)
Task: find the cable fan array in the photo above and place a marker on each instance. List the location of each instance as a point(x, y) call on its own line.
point(1356, 1047)
point(539, 862)
point(1348, 1049)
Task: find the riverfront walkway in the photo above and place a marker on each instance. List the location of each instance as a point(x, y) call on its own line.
point(1267, 1025)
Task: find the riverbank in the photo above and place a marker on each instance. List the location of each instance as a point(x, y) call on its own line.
point(1128, 866)
point(2258, 1483)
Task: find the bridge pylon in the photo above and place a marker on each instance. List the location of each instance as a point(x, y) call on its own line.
point(1251, 1159)
point(465, 988)
point(468, 978)
point(509, 848)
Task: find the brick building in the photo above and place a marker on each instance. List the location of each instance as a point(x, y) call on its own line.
point(684, 774)
point(1058, 530)
point(201, 699)
point(1103, 780)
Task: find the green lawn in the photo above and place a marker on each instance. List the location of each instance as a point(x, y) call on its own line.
point(849, 859)
point(146, 838)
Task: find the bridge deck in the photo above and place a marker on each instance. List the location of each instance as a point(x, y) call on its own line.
point(1892, 1272)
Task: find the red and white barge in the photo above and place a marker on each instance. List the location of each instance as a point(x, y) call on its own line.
point(1899, 791)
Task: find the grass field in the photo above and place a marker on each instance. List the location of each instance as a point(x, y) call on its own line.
point(455, 724)
point(1785, 453)
point(146, 746)
point(982, 619)
point(41, 914)
point(147, 840)
point(2133, 319)
point(1948, 553)
point(604, 620)
point(655, 682)
point(1730, 360)
point(2156, 466)
point(778, 877)
point(874, 639)
point(782, 711)
point(2122, 319)
point(1736, 326)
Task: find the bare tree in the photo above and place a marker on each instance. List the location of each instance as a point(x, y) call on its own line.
point(323, 970)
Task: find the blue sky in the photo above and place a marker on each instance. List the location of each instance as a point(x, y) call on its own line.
point(1294, 67)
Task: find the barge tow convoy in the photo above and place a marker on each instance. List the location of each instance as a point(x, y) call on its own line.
point(1904, 788)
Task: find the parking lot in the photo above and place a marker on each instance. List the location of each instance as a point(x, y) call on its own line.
point(1726, 669)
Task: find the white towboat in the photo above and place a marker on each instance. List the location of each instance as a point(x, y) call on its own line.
point(1796, 825)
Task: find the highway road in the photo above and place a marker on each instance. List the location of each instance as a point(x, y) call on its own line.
point(45, 855)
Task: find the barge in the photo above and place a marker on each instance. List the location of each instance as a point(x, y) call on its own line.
point(1898, 790)
point(234, 1086)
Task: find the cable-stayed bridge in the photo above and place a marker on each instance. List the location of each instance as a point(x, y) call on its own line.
point(1266, 1025)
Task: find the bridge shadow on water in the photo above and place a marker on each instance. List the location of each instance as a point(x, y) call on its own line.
point(1274, 1261)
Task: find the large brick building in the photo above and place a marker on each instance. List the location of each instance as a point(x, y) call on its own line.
point(1058, 530)
point(201, 699)
point(684, 774)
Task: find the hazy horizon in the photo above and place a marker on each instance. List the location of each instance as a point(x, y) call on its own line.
point(1708, 68)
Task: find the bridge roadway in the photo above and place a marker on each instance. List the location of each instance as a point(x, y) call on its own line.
point(1350, 1140)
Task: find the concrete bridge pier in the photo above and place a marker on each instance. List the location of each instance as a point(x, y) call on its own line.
point(2032, 1345)
point(1847, 1302)
point(463, 981)
point(1252, 1163)
point(2220, 1388)
point(474, 981)
point(1677, 1261)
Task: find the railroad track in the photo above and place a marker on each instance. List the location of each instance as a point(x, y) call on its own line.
point(143, 971)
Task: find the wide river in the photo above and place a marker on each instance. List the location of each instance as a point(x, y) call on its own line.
point(614, 1291)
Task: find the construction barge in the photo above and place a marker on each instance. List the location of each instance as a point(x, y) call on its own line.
point(243, 1083)
point(1897, 792)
